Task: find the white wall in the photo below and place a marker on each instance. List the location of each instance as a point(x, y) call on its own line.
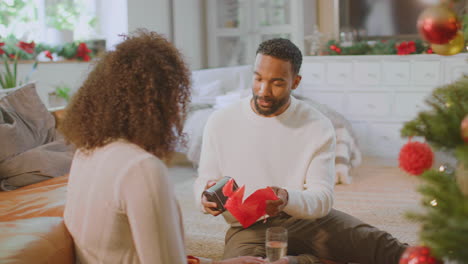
point(181, 21)
point(151, 14)
point(113, 19)
point(189, 31)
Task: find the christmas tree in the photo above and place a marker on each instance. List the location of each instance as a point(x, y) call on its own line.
point(444, 222)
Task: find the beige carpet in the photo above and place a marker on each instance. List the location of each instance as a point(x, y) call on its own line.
point(380, 194)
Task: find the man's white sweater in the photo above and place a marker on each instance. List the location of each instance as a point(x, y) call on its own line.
point(294, 150)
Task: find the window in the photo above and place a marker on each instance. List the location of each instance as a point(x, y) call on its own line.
point(49, 21)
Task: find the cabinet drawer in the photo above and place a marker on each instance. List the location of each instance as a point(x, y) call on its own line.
point(396, 73)
point(409, 104)
point(339, 73)
point(313, 73)
point(333, 100)
point(385, 139)
point(367, 73)
point(456, 73)
point(369, 104)
point(425, 72)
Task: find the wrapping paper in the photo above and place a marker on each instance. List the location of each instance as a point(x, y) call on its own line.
point(254, 206)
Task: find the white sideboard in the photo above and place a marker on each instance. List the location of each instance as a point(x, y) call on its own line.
point(378, 93)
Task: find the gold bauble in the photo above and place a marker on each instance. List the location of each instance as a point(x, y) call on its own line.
point(453, 47)
point(462, 178)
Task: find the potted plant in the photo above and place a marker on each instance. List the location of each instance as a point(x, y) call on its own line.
point(12, 50)
point(60, 96)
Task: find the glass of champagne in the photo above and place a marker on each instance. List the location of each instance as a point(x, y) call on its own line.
point(276, 243)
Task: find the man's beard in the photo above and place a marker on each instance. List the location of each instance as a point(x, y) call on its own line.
point(275, 106)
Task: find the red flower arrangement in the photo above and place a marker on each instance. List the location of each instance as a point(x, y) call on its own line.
point(8, 79)
point(335, 48)
point(406, 48)
point(83, 52)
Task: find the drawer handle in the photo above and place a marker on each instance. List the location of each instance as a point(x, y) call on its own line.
point(429, 75)
point(371, 106)
point(372, 75)
point(342, 75)
point(400, 75)
point(315, 75)
point(384, 137)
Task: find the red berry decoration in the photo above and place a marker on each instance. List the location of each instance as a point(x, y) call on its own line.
point(438, 24)
point(333, 47)
point(464, 129)
point(418, 255)
point(416, 157)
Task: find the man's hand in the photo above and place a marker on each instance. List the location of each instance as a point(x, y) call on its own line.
point(207, 205)
point(274, 207)
point(242, 260)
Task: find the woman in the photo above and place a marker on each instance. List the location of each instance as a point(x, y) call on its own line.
point(125, 119)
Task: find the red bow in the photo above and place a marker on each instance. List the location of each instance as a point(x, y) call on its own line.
point(249, 211)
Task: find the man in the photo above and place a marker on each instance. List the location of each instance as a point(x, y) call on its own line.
point(273, 139)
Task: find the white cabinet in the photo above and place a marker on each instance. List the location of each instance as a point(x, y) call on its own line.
point(378, 93)
point(235, 28)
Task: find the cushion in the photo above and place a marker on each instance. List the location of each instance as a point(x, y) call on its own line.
point(207, 93)
point(38, 164)
point(24, 121)
point(225, 79)
point(32, 150)
point(35, 240)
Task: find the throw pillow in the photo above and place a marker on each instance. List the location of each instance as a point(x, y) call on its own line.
point(25, 122)
point(32, 150)
point(35, 165)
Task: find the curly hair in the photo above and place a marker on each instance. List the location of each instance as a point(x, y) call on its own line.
point(282, 49)
point(139, 93)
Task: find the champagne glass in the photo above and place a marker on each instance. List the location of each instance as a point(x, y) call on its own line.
point(276, 243)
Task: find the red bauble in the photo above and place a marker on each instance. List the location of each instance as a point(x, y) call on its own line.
point(416, 157)
point(438, 24)
point(464, 129)
point(418, 255)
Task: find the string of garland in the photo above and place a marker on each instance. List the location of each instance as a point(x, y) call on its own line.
point(70, 51)
point(383, 47)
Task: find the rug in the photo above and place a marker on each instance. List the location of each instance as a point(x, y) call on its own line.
point(380, 195)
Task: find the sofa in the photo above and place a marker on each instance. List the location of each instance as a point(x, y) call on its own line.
point(31, 224)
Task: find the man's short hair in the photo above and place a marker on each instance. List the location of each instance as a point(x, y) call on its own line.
point(282, 49)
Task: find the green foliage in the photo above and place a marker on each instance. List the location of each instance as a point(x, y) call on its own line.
point(11, 11)
point(384, 47)
point(445, 217)
point(441, 124)
point(445, 221)
point(67, 50)
point(63, 91)
point(62, 14)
